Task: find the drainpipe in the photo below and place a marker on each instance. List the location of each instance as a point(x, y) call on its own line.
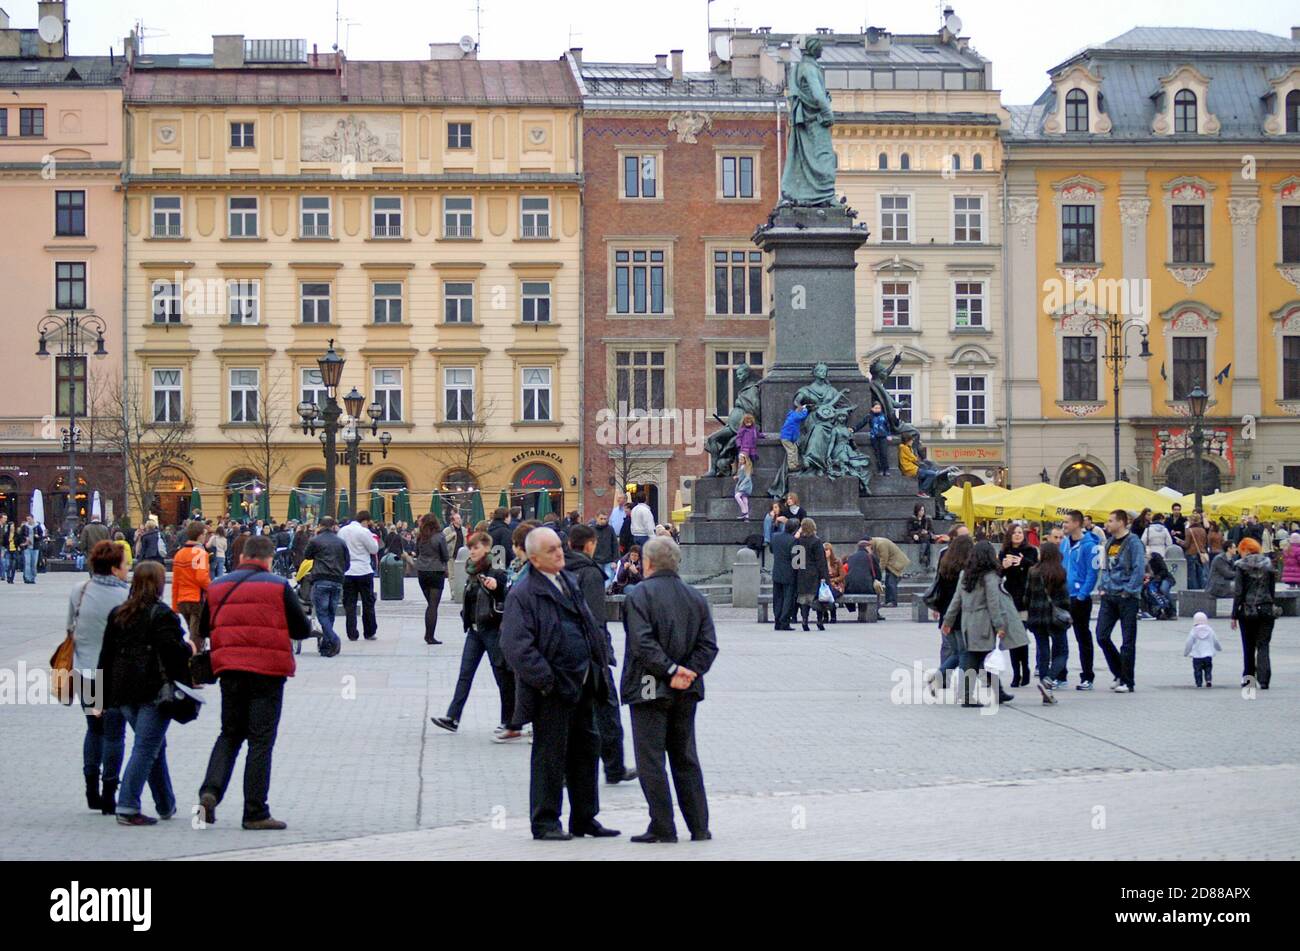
point(126, 349)
point(1006, 322)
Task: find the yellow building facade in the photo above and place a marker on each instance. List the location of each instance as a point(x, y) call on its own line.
point(423, 217)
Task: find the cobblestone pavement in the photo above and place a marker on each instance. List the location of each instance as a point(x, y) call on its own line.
point(806, 751)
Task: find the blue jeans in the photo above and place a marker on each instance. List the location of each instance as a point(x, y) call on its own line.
point(640, 540)
point(104, 747)
point(148, 762)
point(325, 598)
point(891, 587)
point(1115, 608)
point(880, 445)
point(1053, 653)
point(1195, 573)
point(30, 557)
point(217, 566)
point(4, 567)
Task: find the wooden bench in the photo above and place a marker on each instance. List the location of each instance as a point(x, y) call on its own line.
point(868, 607)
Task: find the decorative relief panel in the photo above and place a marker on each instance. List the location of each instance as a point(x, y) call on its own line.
point(333, 137)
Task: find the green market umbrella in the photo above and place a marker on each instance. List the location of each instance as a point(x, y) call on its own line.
point(264, 506)
point(476, 513)
point(543, 505)
point(504, 501)
point(435, 508)
point(295, 507)
point(402, 507)
point(377, 506)
point(237, 505)
point(196, 502)
point(343, 503)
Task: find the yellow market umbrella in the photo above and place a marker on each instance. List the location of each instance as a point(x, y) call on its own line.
point(1230, 504)
point(1026, 501)
point(981, 493)
point(1065, 500)
point(1101, 500)
point(1272, 503)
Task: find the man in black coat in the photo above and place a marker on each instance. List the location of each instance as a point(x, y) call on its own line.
point(671, 645)
point(579, 562)
point(606, 552)
point(502, 552)
point(555, 647)
point(783, 577)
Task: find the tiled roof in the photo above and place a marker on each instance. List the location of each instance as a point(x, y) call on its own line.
point(1193, 39)
point(80, 70)
point(234, 86)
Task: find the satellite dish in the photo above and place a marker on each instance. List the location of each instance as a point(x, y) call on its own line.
point(467, 43)
point(722, 47)
point(50, 29)
point(953, 23)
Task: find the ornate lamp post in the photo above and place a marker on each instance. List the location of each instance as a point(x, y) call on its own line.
point(73, 334)
point(1196, 402)
point(355, 402)
point(1116, 356)
point(331, 372)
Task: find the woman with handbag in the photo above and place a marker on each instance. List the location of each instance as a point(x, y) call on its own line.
point(1254, 609)
point(144, 652)
point(88, 608)
point(431, 558)
point(952, 645)
point(988, 618)
point(1049, 618)
point(810, 574)
point(1015, 560)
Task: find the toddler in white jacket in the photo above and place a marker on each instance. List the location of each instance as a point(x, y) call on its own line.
point(1202, 643)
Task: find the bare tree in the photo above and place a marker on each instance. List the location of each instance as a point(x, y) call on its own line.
point(623, 440)
point(467, 444)
point(261, 443)
point(126, 424)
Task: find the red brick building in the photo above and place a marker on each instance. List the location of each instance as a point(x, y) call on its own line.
point(679, 169)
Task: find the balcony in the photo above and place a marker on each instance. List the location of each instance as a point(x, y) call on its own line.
point(542, 230)
point(387, 231)
point(315, 231)
point(458, 230)
point(166, 230)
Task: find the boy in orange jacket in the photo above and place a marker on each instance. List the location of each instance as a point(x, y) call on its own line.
point(190, 578)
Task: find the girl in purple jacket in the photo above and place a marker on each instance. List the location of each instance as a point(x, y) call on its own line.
point(747, 437)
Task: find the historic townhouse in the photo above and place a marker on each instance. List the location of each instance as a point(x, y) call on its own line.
point(917, 135)
point(422, 215)
point(1161, 170)
point(61, 210)
point(679, 169)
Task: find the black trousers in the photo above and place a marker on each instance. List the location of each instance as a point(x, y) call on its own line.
point(667, 726)
point(609, 723)
point(250, 710)
point(566, 751)
point(783, 603)
point(1256, 635)
point(1081, 614)
point(431, 583)
point(362, 586)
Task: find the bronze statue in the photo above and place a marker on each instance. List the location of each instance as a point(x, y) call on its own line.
point(809, 174)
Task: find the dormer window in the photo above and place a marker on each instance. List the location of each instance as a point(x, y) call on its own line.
point(1076, 111)
point(1185, 112)
point(1293, 112)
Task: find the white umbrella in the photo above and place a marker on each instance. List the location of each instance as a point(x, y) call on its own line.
point(1170, 491)
point(95, 510)
point(38, 507)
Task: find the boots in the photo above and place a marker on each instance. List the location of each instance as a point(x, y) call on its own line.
point(93, 800)
point(108, 798)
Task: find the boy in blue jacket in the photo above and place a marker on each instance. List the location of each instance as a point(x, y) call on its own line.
point(1079, 551)
point(1123, 570)
point(790, 436)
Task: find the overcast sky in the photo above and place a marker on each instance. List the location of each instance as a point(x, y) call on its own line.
point(1023, 39)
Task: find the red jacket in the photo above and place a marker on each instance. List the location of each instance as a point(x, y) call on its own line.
point(255, 623)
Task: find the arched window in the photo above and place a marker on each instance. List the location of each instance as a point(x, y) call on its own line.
point(388, 480)
point(457, 493)
point(1076, 111)
point(905, 161)
point(956, 162)
point(246, 496)
point(1185, 111)
point(1081, 473)
point(977, 163)
point(530, 483)
point(883, 162)
point(1293, 111)
point(9, 497)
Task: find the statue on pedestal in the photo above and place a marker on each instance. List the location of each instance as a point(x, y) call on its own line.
point(721, 446)
point(825, 440)
point(809, 174)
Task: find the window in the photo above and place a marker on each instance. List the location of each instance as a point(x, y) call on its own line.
point(31, 122)
point(1076, 111)
point(1189, 234)
point(70, 376)
point(243, 395)
point(1079, 356)
point(968, 219)
point(69, 213)
point(1078, 234)
point(315, 303)
point(70, 285)
point(905, 162)
point(896, 304)
point(4, 123)
point(641, 176)
point(537, 302)
point(971, 405)
point(166, 302)
point(977, 163)
point(166, 216)
point(388, 393)
point(882, 162)
point(459, 302)
point(243, 301)
point(386, 214)
point(639, 382)
point(458, 394)
point(900, 390)
point(536, 393)
point(737, 176)
point(167, 396)
point(1292, 112)
point(388, 302)
point(1291, 234)
point(243, 217)
point(969, 304)
point(956, 162)
point(534, 217)
point(737, 282)
point(1291, 368)
point(1185, 111)
point(639, 282)
point(1189, 365)
point(241, 135)
point(724, 375)
point(894, 217)
point(315, 212)
point(460, 135)
point(458, 217)
point(313, 387)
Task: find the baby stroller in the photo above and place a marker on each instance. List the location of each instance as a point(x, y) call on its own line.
point(1156, 600)
point(303, 590)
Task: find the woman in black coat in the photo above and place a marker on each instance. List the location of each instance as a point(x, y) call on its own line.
point(1014, 561)
point(143, 644)
point(951, 646)
point(808, 579)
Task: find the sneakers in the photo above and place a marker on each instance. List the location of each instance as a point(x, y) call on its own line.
point(138, 819)
point(1121, 688)
point(1048, 697)
point(508, 736)
point(447, 723)
point(1084, 685)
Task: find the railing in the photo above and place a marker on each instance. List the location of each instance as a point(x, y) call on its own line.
point(275, 51)
point(536, 231)
point(388, 231)
point(167, 231)
point(458, 231)
point(315, 231)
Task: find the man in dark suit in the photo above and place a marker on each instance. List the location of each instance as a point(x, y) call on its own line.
point(555, 647)
point(783, 574)
point(671, 645)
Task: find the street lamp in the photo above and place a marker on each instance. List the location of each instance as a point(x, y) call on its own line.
point(74, 335)
point(1116, 356)
point(355, 402)
point(331, 371)
point(1196, 402)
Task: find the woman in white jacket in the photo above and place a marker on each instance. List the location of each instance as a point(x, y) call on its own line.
point(1157, 537)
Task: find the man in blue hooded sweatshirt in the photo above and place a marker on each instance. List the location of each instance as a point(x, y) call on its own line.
point(1079, 551)
point(1122, 572)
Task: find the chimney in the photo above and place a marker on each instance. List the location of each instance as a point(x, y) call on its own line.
point(4, 19)
point(1295, 34)
point(129, 47)
point(661, 60)
point(53, 9)
point(677, 63)
point(576, 53)
point(228, 51)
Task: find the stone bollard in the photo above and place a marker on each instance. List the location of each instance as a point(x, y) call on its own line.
point(745, 579)
point(457, 579)
point(1176, 559)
